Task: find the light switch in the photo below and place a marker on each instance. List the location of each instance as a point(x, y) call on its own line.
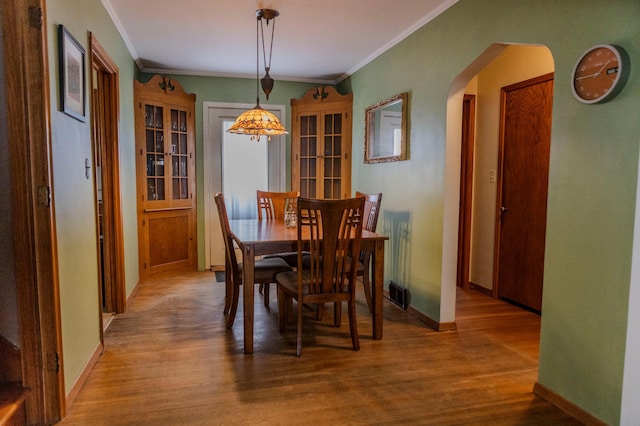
point(492, 176)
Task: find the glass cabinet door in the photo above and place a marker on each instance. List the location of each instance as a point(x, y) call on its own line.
point(179, 155)
point(332, 156)
point(308, 155)
point(155, 152)
point(320, 160)
point(167, 154)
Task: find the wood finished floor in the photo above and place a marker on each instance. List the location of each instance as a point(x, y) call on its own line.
point(170, 361)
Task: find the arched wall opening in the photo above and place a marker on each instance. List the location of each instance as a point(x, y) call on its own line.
point(499, 65)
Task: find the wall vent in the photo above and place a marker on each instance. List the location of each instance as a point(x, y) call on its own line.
point(398, 295)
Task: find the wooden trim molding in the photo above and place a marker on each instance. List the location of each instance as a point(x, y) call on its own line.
point(108, 84)
point(479, 288)
point(567, 406)
point(27, 85)
point(438, 326)
point(466, 189)
point(133, 294)
point(84, 375)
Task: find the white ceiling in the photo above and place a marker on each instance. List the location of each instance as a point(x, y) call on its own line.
point(315, 40)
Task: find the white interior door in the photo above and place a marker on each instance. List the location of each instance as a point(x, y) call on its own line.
point(216, 117)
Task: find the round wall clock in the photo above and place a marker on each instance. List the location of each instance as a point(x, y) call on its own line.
point(599, 74)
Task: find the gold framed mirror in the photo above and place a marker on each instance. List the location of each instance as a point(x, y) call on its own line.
point(385, 130)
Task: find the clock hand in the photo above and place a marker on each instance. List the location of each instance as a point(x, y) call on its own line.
point(604, 66)
point(588, 76)
point(595, 74)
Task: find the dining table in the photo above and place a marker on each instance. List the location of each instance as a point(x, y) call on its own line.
point(261, 237)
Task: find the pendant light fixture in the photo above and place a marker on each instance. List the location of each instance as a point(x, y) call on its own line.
point(257, 121)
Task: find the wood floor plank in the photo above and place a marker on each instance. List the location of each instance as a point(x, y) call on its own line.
point(170, 360)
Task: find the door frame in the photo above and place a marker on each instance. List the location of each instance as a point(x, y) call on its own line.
point(466, 188)
point(106, 145)
point(29, 129)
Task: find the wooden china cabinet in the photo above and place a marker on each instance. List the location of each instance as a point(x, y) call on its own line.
point(165, 168)
point(321, 144)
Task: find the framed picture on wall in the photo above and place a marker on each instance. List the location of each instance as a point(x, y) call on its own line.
point(72, 75)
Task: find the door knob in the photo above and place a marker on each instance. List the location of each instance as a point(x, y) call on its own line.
point(504, 209)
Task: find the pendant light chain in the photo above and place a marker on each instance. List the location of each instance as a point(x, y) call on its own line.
point(264, 51)
point(258, 62)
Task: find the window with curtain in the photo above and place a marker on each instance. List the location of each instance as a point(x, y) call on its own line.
point(244, 170)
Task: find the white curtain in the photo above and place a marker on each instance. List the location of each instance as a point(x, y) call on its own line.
point(244, 170)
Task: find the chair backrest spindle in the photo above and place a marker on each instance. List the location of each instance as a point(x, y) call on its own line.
point(371, 209)
point(272, 205)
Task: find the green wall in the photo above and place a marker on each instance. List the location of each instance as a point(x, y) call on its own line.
point(232, 90)
point(73, 194)
point(592, 189)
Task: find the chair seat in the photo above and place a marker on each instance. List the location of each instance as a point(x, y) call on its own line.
point(306, 264)
point(288, 282)
point(267, 268)
point(290, 257)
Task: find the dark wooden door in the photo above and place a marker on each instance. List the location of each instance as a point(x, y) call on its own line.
point(522, 197)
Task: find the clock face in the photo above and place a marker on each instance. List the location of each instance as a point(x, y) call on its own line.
point(596, 74)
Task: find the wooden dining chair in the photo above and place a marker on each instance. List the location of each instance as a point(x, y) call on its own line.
point(271, 206)
point(265, 269)
point(370, 214)
point(333, 230)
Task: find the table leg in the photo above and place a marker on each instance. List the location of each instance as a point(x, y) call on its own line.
point(377, 278)
point(248, 265)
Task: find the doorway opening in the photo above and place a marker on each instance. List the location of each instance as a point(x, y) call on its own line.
point(499, 66)
point(217, 117)
point(106, 166)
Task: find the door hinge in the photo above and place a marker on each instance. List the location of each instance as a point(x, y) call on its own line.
point(35, 17)
point(53, 361)
point(44, 196)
